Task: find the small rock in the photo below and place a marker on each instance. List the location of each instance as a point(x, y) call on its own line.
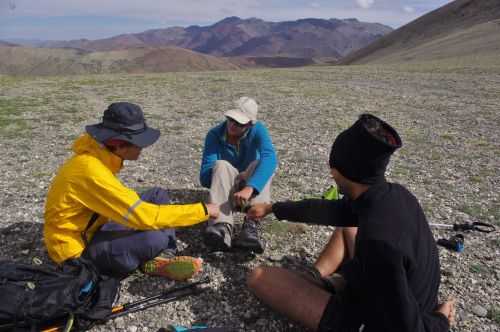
point(479, 311)
point(447, 273)
point(276, 258)
point(25, 252)
point(120, 323)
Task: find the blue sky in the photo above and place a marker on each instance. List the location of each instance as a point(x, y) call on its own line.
point(92, 19)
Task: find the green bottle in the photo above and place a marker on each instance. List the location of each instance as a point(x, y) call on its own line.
point(331, 194)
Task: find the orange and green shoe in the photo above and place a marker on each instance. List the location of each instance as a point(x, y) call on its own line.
point(178, 268)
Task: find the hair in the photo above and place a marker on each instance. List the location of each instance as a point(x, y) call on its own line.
point(113, 144)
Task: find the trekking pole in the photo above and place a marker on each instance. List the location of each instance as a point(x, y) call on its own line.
point(468, 226)
point(167, 296)
point(164, 297)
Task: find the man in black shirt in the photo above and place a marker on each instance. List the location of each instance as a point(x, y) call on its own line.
point(391, 275)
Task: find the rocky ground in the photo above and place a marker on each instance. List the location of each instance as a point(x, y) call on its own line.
point(449, 119)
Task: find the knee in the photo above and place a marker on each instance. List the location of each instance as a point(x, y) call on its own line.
point(221, 165)
point(254, 278)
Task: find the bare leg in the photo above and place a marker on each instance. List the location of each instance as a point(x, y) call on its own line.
point(349, 240)
point(339, 247)
point(289, 294)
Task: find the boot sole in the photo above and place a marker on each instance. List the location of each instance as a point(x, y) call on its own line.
point(257, 248)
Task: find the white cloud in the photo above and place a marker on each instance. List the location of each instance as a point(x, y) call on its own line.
point(409, 9)
point(365, 3)
point(315, 5)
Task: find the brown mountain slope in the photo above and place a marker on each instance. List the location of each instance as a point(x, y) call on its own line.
point(4, 43)
point(43, 61)
point(253, 37)
point(460, 28)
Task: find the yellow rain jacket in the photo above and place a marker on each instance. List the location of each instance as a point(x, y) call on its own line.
point(85, 184)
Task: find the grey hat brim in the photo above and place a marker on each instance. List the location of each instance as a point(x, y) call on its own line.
point(142, 139)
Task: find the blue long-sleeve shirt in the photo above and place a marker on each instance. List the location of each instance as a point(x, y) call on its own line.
point(255, 145)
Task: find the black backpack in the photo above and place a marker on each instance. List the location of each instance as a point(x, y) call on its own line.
point(35, 297)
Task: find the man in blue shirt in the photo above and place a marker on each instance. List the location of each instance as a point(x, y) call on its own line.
point(237, 165)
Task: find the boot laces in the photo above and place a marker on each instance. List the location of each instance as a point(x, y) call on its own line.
point(250, 227)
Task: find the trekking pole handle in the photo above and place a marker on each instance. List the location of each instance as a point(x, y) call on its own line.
point(468, 226)
point(475, 226)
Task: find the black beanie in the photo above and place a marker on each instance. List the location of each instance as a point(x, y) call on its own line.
point(361, 153)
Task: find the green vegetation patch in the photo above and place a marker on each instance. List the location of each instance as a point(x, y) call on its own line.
point(494, 314)
point(11, 111)
point(478, 268)
point(482, 213)
point(280, 228)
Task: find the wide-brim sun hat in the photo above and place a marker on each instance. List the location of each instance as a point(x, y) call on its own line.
point(124, 121)
point(245, 111)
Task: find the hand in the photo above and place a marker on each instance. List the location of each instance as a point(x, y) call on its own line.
point(448, 310)
point(243, 196)
point(213, 210)
point(259, 211)
point(243, 176)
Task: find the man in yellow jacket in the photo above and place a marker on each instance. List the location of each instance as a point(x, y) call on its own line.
point(90, 213)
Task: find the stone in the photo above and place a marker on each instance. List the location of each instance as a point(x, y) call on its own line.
point(479, 311)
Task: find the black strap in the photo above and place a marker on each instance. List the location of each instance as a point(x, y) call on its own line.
point(92, 221)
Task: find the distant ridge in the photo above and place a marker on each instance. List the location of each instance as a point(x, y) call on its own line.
point(36, 61)
point(7, 44)
point(233, 36)
point(460, 28)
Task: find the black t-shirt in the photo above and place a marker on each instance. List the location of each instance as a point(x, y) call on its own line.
point(393, 279)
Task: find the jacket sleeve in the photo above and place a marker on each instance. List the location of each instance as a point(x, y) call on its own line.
point(106, 195)
point(267, 162)
point(208, 159)
point(316, 211)
point(389, 302)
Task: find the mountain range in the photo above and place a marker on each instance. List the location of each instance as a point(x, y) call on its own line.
point(233, 36)
point(459, 29)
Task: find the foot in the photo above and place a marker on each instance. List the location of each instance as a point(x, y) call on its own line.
point(218, 236)
point(179, 268)
point(448, 310)
point(249, 238)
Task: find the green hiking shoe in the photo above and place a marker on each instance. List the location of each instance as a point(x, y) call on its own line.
point(179, 268)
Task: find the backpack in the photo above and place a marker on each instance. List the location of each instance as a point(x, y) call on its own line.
point(33, 297)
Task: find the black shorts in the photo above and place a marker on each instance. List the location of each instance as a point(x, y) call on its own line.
point(339, 315)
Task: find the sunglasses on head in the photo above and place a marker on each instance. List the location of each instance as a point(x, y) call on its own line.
point(236, 123)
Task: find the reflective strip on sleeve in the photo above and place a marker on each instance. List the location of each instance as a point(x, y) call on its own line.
point(131, 209)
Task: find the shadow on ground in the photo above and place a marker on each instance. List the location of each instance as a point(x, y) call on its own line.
point(224, 302)
point(23, 242)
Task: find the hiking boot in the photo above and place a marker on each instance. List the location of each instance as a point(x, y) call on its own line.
point(179, 268)
point(218, 236)
point(249, 238)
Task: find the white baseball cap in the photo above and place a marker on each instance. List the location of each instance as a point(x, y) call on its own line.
point(245, 111)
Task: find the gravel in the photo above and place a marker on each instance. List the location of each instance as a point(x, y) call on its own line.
point(448, 118)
